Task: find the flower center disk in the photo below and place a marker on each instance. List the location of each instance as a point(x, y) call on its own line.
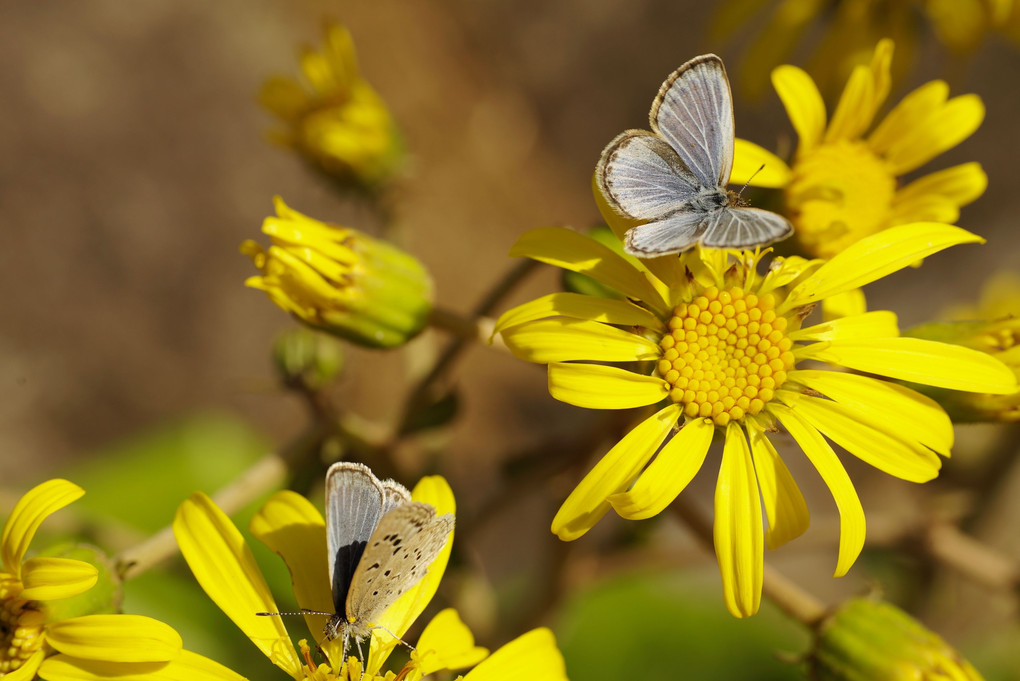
point(725, 354)
point(21, 627)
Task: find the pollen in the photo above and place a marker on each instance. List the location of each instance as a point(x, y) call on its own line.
point(841, 192)
point(726, 354)
point(21, 627)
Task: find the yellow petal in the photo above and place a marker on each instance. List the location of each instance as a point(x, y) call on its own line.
point(785, 507)
point(930, 208)
point(578, 253)
point(919, 361)
point(294, 529)
point(868, 442)
point(578, 306)
point(739, 538)
point(614, 473)
point(851, 513)
point(115, 638)
point(876, 256)
point(561, 339)
point(941, 130)
point(226, 570)
point(533, 656)
point(854, 111)
point(845, 304)
point(803, 104)
point(912, 108)
point(447, 643)
point(47, 579)
point(187, 666)
point(908, 412)
point(38, 503)
point(435, 491)
point(668, 474)
point(767, 169)
point(960, 184)
point(878, 324)
point(600, 387)
point(881, 73)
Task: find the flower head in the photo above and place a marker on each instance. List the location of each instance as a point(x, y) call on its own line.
point(341, 281)
point(869, 639)
point(991, 326)
point(849, 28)
point(722, 348)
point(35, 641)
point(336, 119)
point(844, 182)
point(289, 525)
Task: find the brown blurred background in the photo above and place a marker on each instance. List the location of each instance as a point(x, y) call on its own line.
point(133, 163)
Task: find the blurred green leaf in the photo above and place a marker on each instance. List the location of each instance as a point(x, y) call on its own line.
point(141, 481)
point(671, 626)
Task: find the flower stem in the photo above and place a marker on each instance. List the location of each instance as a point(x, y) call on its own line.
point(266, 474)
point(785, 594)
point(436, 382)
point(948, 544)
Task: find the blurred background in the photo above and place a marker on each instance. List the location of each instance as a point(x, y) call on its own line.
point(134, 160)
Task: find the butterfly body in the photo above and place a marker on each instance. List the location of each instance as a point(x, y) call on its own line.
point(675, 176)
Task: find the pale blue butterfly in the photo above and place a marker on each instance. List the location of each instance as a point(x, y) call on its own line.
point(675, 177)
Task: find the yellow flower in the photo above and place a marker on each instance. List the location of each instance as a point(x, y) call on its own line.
point(992, 326)
point(723, 347)
point(850, 28)
point(289, 525)
point(341, 281)
point(867, 639)
point(844, 184)
point(34, 644)
point(336, 120)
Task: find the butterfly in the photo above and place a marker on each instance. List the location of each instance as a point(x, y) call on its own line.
point(380, 544)
point(675, 176)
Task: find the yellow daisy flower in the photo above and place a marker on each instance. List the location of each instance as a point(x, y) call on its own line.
point(336, 119)
point(844, 184)
point(723, 348)
point(991, 326)
point(35, 645)
point(291, 526)
point(849, 28)
point(341, 281)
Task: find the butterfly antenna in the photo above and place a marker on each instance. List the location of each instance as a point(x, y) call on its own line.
point(761, 168)
point(304, 611)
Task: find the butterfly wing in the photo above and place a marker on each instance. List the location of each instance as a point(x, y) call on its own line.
point(744, 228)
point(642, 177)
point(673, 234)
point(693, 112)
point(354, 507)
point(397, 556)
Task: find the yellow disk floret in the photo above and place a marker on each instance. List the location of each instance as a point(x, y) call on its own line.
point(21, 627)
point(725, 354)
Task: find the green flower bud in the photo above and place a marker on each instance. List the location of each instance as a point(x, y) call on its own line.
point(867, 640)
point(341, 281)
point(307, 358)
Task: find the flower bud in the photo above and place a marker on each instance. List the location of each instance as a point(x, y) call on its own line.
point(341, 281)
point(336, 119)
point(307, 358)
point(867, 639)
